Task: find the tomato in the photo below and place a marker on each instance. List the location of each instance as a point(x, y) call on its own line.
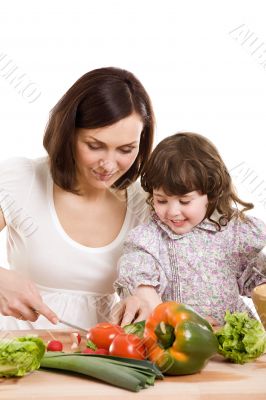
point(103, 334)
point(128, 345)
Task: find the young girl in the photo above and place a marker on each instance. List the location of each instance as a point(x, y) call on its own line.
point(199, 247)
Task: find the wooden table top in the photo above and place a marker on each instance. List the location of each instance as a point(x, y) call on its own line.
point(219, 380)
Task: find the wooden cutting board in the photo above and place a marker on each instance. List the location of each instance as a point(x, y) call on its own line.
point(219, 380)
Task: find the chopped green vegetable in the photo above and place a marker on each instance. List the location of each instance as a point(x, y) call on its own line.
point(18, 356)
point(91, 345)
point(137, 328)
point(123, 372)
point(241, 339)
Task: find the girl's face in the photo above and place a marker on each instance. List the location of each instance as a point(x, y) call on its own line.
point(103, 155)
point(180, 213)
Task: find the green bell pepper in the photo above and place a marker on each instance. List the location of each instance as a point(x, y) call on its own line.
point(178, 340)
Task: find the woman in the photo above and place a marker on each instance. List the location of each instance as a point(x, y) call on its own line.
point(67, 214)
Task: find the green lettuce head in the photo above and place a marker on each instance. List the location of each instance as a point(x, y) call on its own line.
point(18, 356)
point(241, 339)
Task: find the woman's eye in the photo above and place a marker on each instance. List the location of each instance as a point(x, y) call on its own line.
point(93, 146)
point(184, 202)
point(127, 151)
point(161, 201)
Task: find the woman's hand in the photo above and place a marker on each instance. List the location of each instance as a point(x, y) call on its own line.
point(136, 307)
point(20, 298)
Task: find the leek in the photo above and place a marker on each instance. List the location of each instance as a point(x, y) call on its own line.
point(126, 373)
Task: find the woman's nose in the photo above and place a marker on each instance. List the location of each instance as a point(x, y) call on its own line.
point(107, 163)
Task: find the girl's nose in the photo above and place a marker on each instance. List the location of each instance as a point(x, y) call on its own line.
point(173, 211)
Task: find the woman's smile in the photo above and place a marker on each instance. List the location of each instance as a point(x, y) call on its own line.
point(103, 176)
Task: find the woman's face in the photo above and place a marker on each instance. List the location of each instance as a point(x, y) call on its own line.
point(103, 155)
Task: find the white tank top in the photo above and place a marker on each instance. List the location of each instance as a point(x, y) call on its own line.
point(71, 277)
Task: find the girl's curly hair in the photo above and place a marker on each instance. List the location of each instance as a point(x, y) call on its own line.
point(186, 162)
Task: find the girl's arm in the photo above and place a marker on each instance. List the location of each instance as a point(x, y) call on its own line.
point(141, 278)
point(252, 257)
point(136, 307)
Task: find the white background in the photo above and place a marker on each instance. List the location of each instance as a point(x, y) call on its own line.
point(191, 56)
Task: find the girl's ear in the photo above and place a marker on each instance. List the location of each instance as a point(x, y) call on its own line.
point(150, 201)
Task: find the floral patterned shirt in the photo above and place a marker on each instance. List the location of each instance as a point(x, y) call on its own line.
point(206, 269)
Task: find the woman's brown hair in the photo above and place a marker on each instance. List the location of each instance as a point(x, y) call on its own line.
point(186, 162)
point(99, 98)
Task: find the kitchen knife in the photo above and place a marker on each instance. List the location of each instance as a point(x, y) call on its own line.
point(72, 326)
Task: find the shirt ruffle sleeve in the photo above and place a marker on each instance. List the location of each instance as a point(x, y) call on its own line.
point(139, 264)
point(252, 265)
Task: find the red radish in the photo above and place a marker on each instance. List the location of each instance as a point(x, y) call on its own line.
point(88, 351)
point(55, 345)
point(74, 346)
point(75, 337)
point(102, 351)
point(97, 351)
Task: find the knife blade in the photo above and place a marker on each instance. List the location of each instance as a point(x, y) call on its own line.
point(72, 326)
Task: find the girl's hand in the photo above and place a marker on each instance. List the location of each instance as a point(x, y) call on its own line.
point(137, 307)
point(20, 298)
point(212, 321)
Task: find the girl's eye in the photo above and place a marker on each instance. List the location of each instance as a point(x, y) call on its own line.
point(184, 202)
point(161, 201)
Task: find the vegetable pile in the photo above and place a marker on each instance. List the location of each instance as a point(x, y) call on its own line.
point(174, 340)
point(18, 356)
point(241, 339)
point(110, 355)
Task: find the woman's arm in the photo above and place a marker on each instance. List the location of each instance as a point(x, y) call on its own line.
point(19, 297)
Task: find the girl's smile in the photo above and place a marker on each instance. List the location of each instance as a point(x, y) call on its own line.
point(179, 222)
